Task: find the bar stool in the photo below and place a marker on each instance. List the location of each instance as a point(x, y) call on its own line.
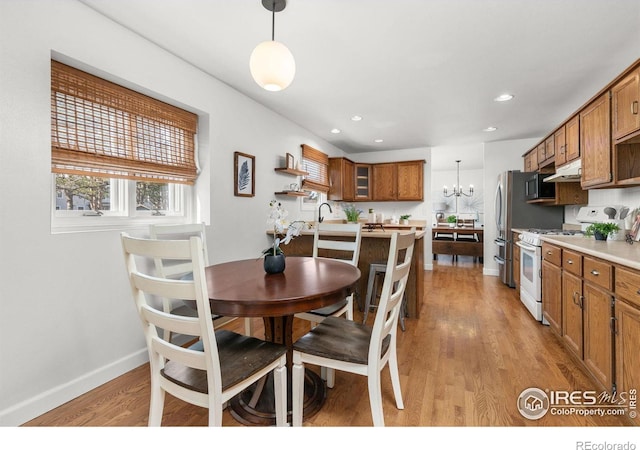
point(377, 269)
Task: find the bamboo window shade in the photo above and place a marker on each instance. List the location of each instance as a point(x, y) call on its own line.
point(316, 164)
point(101, 129)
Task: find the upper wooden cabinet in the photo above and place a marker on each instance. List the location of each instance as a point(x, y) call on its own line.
point(342, 184)
point(531, 160)
point(595, 143)
point(624, 105)
point(572, 138)
point(394, 181)
point(363, 182)
point(385, 182)
point(399, 181)
point(410, 181)
point(546, 153)
point(560, 145)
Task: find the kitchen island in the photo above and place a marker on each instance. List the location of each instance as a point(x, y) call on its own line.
point(375, 249)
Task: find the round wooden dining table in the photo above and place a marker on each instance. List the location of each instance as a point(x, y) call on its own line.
point(243, 289)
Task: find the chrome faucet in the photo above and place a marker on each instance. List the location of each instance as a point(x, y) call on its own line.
point(320, 218)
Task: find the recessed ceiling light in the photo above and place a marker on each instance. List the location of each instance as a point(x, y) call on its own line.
point(377, 141)
point(335, 131)
point(490, 129)
point(503, 98)
point(356, 118)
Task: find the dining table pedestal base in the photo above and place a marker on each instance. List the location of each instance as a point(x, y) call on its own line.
point(263, 412)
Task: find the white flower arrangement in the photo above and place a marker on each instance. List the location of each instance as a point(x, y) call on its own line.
point(277, 218)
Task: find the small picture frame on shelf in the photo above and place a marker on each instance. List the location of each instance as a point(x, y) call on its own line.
point(243, 177)
point(291, 162)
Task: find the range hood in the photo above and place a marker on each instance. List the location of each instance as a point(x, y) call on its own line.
point(567, 173)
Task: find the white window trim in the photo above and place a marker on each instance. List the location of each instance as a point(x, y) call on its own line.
point(127, 219)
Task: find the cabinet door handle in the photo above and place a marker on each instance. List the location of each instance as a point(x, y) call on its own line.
point(549, 252)
point(595, 273)
point(638, 292)
point(569, 261)
point(634, 107)
point(614, 325)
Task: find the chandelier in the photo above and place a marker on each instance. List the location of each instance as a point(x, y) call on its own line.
point(457, 188)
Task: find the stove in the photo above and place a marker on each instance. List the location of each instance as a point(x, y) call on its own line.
point(532, 235)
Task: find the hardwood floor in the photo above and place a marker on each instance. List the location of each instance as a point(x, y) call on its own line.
point(463, 364)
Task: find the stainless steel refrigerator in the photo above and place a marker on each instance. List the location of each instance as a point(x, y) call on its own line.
point(513, 211)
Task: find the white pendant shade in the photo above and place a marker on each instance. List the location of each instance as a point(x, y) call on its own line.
point(272, 65)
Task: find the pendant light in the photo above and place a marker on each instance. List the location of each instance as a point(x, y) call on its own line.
point(271, 63)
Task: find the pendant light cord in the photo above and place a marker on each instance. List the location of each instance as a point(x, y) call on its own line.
point(273, 20)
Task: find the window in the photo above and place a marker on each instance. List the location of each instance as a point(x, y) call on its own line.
point(316, 164)
point(116, 152)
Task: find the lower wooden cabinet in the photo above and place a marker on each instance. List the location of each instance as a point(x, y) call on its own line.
point(552, 295)
point(572, 322)
point(627, 338)
point(598, 335)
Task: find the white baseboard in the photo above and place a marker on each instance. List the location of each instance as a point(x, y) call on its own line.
point(31, 408)
point(428, 266)
point(491, 272)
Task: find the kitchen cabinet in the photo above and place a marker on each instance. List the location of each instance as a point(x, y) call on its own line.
point(385, 182)
point(342, 183)
point(598, 337)
point(393, 181)
point(595, 143)
point(531, 161)
point(560, 146)
point(627, 330)
point(572, 312)
point(552, 286)
point(625, 96)
point(363, 182)
point(516, 263)
point(399, 181)
point(587, 313)
point(546, 153)
point(572, 139)
point(410, 181)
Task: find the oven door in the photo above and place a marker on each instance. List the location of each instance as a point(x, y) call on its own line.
point(530, 278)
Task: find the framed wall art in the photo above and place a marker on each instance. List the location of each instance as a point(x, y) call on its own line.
point(243, 177)
point(291, 162)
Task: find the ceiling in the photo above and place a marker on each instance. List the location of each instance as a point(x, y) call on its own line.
point(421, 73)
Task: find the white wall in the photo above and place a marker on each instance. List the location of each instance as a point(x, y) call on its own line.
point(67, 321)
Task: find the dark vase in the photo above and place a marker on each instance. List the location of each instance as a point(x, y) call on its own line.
point(274, 264)
point(599, 236)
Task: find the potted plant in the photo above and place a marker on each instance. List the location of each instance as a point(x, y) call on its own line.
point(452, 220)
point(352, 213)
point(405, 219)
point(601, 230)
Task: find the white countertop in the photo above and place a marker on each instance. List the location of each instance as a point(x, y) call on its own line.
point(618, 252)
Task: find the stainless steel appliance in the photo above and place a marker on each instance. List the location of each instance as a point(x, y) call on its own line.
point(531, 268)
point(513, 211)
point(535, 188)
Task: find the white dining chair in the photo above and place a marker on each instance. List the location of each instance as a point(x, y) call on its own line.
point(221, 363)
point(338, 241)
point(177, 269)
point(343, 242)
point(349, 346)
